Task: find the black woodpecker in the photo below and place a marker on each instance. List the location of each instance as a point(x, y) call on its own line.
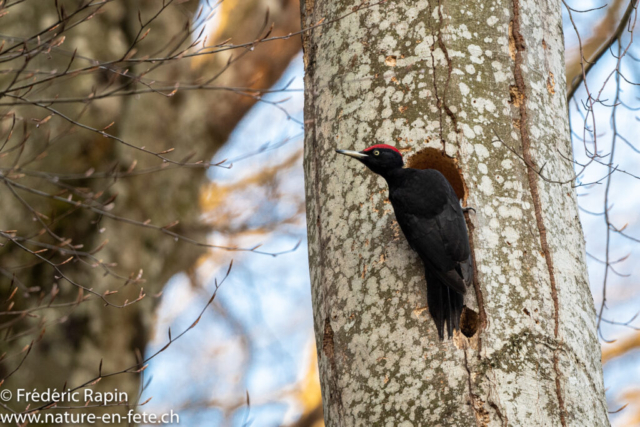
point(432, 220)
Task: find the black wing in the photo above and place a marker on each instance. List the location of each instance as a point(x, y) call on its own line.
point(431, 218)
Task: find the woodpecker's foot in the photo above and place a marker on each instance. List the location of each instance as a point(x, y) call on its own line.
point(467, 209)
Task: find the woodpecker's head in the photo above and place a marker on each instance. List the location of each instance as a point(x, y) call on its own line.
point(380, 158)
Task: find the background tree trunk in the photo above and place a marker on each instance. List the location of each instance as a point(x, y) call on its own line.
point(76, 339)
point(485, 85)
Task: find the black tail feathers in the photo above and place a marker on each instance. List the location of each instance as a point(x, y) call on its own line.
point(445, 304)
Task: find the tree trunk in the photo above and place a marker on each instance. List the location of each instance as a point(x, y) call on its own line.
point(477, 92)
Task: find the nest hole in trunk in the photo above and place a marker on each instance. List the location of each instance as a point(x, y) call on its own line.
point(433, 158)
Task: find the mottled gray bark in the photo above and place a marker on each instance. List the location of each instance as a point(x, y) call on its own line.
point(458, 77)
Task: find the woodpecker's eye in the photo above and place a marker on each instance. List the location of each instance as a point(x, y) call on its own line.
point(376, 153)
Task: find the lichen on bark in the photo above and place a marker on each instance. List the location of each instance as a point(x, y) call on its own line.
point(456, 76)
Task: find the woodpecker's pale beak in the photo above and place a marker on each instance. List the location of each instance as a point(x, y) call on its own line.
point(354, 154)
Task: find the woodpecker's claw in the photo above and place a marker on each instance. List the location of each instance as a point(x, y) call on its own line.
point(468, 208)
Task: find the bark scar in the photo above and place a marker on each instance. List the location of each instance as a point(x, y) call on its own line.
point(327, 341)
point(516, 47)
point(476, 285)
point(479, 411)
point(503, 418)
point(441, 103)
point(443, 47)
point(328, 348)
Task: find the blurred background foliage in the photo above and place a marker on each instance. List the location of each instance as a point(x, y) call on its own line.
point(240, 109)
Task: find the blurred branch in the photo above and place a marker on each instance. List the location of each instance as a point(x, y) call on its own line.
point(592, 47)
point(620, 347)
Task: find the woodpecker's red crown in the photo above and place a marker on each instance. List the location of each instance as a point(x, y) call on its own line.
point(389, 147)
